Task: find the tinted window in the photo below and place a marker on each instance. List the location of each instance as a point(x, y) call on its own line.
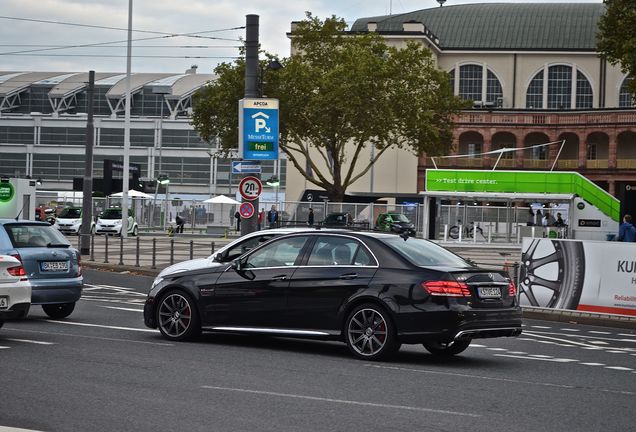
point(331, 250)
point(277, 254)
point(242, 247)
point(71, 213)
point(113, 213)
point(30, 236)
point(424, 253)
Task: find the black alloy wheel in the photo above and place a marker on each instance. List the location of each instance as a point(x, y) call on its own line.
point(178, 317)
point(370, 334)
point(58, 311)
point(447, 348)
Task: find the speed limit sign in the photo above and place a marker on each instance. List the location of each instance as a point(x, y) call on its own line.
point(250, 188)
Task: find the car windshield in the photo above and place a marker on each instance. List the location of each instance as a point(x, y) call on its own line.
point(424, 253)
point(111, 213)
point(70, 213)
point(31, 236)
point(399, 217)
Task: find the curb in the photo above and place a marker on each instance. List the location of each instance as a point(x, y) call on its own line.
point(144, 271)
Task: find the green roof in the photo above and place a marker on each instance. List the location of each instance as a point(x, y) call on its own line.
point(502, 26)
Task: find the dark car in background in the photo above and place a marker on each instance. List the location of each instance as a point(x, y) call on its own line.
point(395, 222)
point(51, 265)
point(373, 291)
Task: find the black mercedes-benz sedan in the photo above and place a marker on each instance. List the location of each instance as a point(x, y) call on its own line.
point(374, 291)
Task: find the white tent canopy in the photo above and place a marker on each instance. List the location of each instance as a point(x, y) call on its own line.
point(221, 199)
point(132, 194)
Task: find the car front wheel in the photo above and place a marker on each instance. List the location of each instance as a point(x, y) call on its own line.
point(178, 317)
point(447, 348)
point(370, 334)
point(58, 311)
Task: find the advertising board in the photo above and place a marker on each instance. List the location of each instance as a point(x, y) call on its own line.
point(588, 276)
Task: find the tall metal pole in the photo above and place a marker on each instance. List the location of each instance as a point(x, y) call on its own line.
point(87, 189)
point(249, 225)
point(126, 174)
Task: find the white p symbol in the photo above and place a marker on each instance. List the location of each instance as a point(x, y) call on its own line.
point(259, 124)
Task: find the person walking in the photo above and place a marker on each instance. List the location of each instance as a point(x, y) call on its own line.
point(272, 217)
point(310, 217)
point(237, 216)
point(180, 224)
point(627, 231)
point(559, 221)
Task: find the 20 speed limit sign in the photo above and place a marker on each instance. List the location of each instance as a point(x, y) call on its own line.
point(250, 188)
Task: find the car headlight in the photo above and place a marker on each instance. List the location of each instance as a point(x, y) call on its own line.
point(117, 221)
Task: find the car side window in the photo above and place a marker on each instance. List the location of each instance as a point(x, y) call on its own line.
point(280, 253)
point(249, 244)
point(332, 250)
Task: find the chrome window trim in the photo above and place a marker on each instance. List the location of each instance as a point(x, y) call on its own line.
point(270, 330)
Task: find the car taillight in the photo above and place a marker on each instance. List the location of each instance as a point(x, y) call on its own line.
point(512, 289)
point(16, 271)
point(446, 288)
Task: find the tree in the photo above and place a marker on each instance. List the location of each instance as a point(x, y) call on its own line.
point(617, 36)
point(339, 94)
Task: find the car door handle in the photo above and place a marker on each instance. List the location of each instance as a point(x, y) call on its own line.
point(349, 276)
point(279, 278)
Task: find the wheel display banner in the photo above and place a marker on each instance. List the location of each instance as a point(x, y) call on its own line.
point(585, 275)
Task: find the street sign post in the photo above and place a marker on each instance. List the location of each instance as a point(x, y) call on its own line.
point(250, 188)
point(246, 167)
point(258, 129)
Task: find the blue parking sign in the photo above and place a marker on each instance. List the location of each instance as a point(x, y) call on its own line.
point(258, 129)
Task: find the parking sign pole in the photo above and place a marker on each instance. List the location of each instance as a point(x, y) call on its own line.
point(249, 224)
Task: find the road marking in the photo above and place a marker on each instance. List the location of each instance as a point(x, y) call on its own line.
point(518, 352)
point(593, 364)
point(570, 329)
point(583, 336)
point(103, 326)
point(497, 349)
point(10, 429)
point(543, 358)
point(619, 368)
point(541, 327)
point(90, 337)
point(627, 334)
point(341, 401)
point(4, 347)
point(599, 332)
point(472, 345)
point(121, 308)
point(581, 344)
point(617, 352)
point(540, 356)
point(598, 342)
point(32, 341)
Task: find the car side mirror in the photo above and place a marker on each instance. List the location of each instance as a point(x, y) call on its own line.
point(236, 265)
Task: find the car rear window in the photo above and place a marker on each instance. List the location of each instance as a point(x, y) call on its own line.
point(424, 253)
point(32, 236)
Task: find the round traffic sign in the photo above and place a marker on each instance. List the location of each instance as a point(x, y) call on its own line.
point(246, 210)
point(250, 188)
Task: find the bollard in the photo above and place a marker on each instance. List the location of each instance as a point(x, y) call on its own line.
point(92, 247)
point(445, 232)
point(461, 231)
point(212, 247)
point(489, 233)
point(105, 248)
point(79, 241)
point(154, 253)
point(121, 250)
point(137, 253)
point(516, 275)
point(191, 249)
point(171, 251)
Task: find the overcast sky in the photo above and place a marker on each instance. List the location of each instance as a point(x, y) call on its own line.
point(170, 16)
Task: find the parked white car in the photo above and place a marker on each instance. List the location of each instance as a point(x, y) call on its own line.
point(15, 289)
point(70, 221)
point(109, 222)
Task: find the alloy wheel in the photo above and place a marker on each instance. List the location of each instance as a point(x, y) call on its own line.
point(367, 332)
point(175, 316)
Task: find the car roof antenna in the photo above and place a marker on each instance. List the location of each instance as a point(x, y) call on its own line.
point(18, 216)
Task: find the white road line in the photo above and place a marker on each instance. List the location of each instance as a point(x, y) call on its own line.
point(10, 429)
point(621, 368)
point(555, 360)
point(599, 332)
point(340, 401)
point(598, 342)
point(91, 337)
point(593, 364)
point(121, 308)
point(4, 347)
point(32, 341)
point(560, 340)
point(627, 334)
point(541, 327)
point(540, 356)
point(582, 336)
point(617, 352)
point(518, 352)
point(497, 349)
point(472, 345)
point(570, 329)
point(103, 326)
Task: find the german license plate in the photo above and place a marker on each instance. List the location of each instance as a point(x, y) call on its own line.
point(54, 266)
point(489, 292)
point(4, 302)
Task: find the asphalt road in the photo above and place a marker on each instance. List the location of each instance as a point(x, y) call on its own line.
point(102, 370)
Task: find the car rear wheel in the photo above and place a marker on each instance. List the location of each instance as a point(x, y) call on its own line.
point(447, 348)
point(58, 311)
point(178, 317)
point(135, 232)
point(370, 334)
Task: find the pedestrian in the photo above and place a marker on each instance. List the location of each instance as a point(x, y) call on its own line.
point(627, 231)
point(548, 220)
point(261, 216)
point(538, 218)
point(180, 224)
point(237, 216)
point(530, 217)
point(310, 217)
point(559, 221)
point(272, 217)
point(349, 219)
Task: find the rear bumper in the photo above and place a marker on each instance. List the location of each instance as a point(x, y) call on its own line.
point(51, 291)
point(17, 311)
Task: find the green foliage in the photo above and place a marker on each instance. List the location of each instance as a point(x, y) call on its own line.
point(617, 36)
point(340, 93)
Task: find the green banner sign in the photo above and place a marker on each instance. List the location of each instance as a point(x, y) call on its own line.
point(523, 182)
point(6, 192)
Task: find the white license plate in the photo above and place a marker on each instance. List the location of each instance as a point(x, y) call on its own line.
point(55, 266)
point(4, 302)
point(489, 292)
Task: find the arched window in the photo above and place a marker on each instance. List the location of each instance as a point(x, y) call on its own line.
point(625, 98)
point(534, 95)
point(475, 81)
point(556, 91)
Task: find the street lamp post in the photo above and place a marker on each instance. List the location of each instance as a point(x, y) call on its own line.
point(160, 90)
